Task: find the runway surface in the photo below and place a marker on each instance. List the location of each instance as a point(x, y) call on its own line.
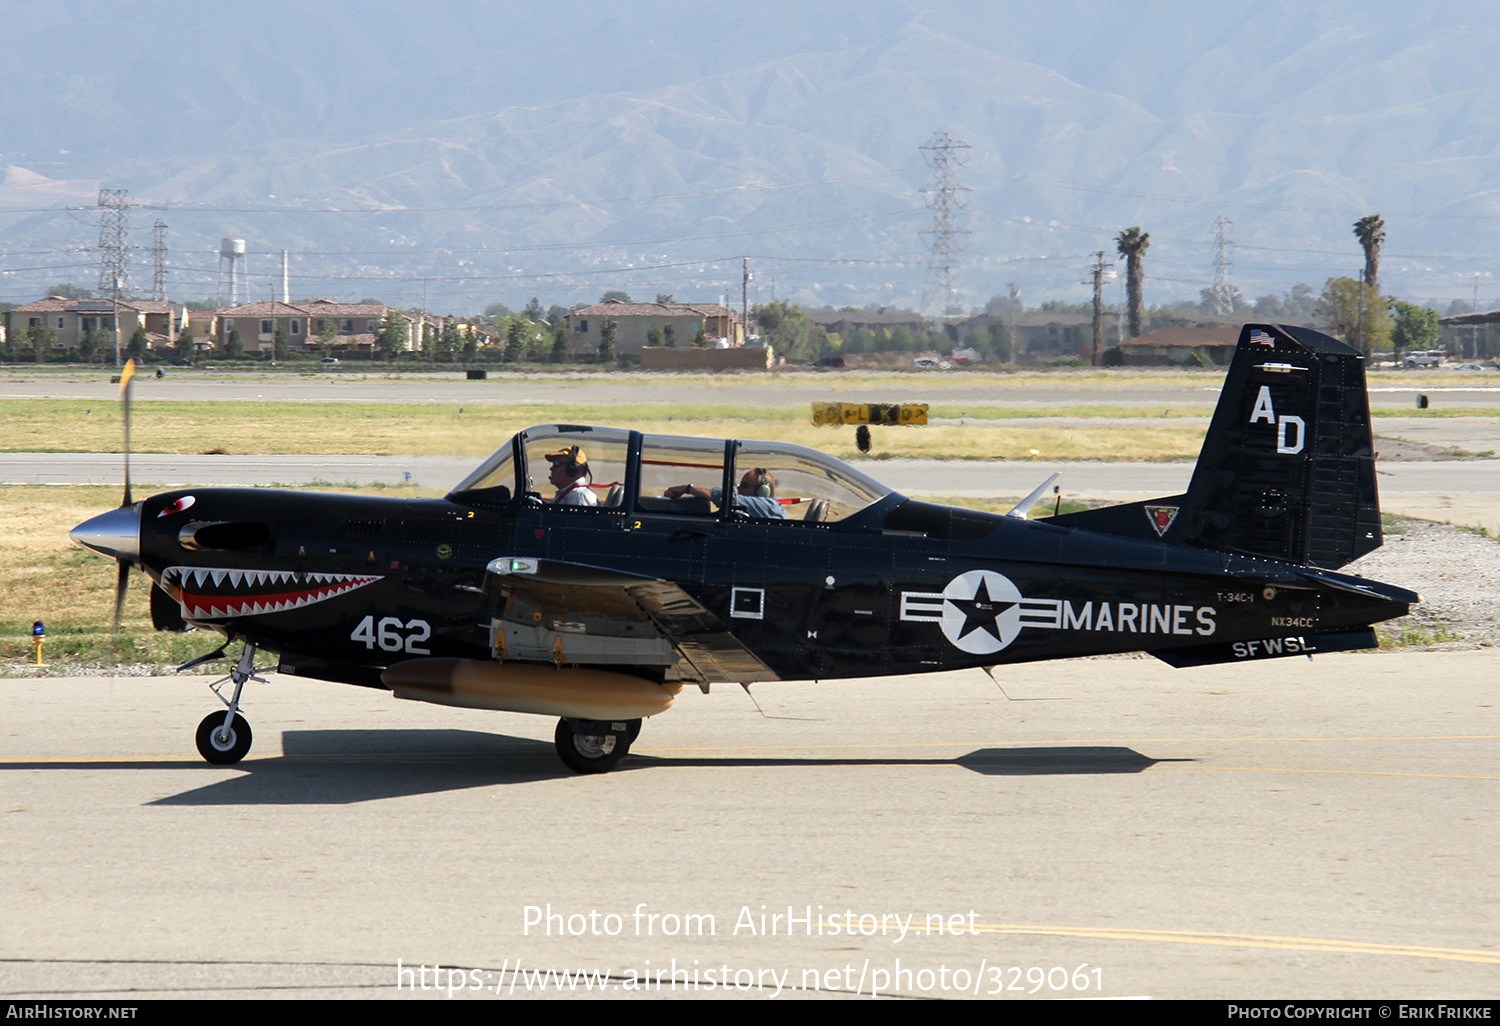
point(1103, 827)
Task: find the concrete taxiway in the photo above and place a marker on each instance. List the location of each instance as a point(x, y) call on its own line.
point(1104, 827)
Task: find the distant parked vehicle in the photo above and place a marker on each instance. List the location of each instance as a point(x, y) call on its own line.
point(928, 363)
point(1432, 358)
point(835, 362)
point(1476, 366)
point(329, 359)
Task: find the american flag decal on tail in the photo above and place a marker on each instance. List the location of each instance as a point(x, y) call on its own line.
point(1261, 338)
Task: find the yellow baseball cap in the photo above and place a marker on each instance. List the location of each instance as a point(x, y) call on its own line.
point(572, 454)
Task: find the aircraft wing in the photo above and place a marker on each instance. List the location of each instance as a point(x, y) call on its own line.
point(546, 610)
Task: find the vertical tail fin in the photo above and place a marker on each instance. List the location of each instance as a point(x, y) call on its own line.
point(1287, 469)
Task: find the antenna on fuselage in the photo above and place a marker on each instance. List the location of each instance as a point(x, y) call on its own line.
point(1023, 507)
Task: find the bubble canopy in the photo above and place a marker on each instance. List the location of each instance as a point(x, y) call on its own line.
point(631, 472)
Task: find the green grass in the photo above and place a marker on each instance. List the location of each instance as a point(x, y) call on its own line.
point(1394, 523)
point(259, 428)
point(1408, 635)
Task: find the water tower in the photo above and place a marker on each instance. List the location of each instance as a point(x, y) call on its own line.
point(231, 250)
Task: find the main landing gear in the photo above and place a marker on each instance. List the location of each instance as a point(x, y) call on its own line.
point(594, 746)
point(224, 738)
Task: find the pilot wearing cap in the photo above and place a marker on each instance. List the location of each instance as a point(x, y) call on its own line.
point(571, 476)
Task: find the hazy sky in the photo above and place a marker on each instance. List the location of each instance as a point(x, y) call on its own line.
point(499, 150)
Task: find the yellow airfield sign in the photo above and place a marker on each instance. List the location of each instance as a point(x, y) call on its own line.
point(907, 414)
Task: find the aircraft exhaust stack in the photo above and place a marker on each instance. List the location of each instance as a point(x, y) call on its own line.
point(573, 692)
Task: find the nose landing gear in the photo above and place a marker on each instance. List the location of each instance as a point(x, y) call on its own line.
point(224, 738)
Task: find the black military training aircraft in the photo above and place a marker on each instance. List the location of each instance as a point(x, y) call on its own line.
point(589, 573)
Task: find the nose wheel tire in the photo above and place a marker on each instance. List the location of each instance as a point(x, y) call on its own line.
point(221, 747)
point(599, 749)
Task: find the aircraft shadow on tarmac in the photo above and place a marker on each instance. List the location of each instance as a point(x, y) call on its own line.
point(347, 767)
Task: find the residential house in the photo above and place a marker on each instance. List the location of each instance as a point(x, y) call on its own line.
point(416, 324)
point(352, 324)
point(1037, 336)
point(634, 321)
point(204, 324)
point(1175, 346)
point(842, 322)
point(71, 319)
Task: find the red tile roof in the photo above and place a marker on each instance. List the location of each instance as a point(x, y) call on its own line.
point(317, 308)
point(57, 304)
point(1177, 336)
point(615, 308)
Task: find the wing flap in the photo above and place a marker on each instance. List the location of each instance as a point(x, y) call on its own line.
point(555, 611)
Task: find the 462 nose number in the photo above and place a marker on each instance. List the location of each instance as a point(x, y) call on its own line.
point(392, 635)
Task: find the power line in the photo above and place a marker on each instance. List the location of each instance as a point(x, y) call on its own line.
point(1177, 198)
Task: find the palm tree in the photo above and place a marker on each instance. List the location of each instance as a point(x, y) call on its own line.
point(1132, 243)
point(1371, 233)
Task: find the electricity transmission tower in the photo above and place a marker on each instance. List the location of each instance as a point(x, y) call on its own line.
point(114, 253)
point(114, 241)
point(945, 198)
point(159, 260)
point(1222, 292)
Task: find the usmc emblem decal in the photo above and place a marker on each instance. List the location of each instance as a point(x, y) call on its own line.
point(979, 611)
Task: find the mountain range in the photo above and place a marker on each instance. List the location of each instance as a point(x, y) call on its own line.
point(457, 153)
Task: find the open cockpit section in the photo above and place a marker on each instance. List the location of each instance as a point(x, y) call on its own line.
point(610, 470)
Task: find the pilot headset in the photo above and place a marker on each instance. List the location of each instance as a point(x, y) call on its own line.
point(571, 463)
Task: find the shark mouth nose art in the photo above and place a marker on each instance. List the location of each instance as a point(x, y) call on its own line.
point(206, 594)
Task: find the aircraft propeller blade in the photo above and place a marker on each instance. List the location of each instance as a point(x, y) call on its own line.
point(123, 580)
point(120, 584)
point(125, 376)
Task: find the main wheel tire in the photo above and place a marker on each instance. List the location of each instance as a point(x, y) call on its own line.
point(220, 748)
point(590, 753)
